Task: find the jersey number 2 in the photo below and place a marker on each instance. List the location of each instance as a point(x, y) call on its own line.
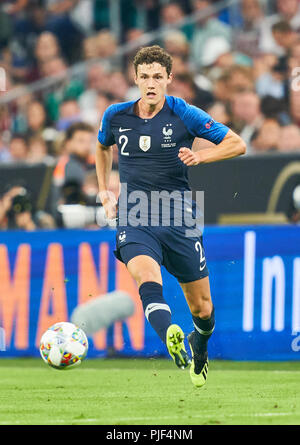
point(199, 248)
point(124, 141)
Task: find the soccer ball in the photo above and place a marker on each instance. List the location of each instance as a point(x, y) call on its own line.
point(63, 345)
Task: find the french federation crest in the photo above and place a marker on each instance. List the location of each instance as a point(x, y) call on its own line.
point(145, 143)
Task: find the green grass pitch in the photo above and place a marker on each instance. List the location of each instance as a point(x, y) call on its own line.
point(148, 392)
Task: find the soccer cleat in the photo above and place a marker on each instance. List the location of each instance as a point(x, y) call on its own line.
point(175, 345)
point(199, 365)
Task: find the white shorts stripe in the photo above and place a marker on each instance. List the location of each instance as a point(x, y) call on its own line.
point(156, 307)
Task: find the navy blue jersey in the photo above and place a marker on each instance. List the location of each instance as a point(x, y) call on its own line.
point(148, 148)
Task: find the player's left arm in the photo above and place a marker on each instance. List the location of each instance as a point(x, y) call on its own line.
point(231, 146)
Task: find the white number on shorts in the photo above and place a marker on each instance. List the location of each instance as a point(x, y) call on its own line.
point(123, 140)
point(199, 248)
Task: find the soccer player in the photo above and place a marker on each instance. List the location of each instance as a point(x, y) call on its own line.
point(154, 136)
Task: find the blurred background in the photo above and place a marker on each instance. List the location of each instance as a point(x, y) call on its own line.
point(63, 62)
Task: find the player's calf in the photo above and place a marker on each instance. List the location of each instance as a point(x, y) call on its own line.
point(156, 310)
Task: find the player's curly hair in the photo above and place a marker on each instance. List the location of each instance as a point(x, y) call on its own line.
point(151, 54)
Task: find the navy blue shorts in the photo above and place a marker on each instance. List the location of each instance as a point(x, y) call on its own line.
point(182, 256)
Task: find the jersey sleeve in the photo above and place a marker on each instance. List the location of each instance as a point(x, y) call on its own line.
point(105, 135)
point(199, 123)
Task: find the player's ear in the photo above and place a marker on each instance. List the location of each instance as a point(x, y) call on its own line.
point(135, 77)
point(170, 78)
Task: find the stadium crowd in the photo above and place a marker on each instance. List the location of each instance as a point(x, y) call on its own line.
point(240, 64)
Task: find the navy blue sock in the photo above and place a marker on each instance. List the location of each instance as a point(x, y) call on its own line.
point(204, 329)
point(155, 307)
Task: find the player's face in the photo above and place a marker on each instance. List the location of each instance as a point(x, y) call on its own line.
point(152, 81)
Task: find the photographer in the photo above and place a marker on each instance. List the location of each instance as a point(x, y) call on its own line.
point(16, 210)
point(79, 204)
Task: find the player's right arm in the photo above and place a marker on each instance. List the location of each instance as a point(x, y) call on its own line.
point(103, 169)
point(104, 164)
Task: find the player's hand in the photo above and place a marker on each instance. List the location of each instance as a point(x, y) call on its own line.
point(188, 157)
point(109, 203)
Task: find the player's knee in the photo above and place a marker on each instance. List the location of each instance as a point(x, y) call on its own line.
point(145, 276)
point(202, 308)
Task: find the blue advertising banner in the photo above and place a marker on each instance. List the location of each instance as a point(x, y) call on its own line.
point(254, 276)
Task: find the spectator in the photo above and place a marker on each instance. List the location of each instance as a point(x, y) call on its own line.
point(37, 124)
point(97, 82)
point(288, 10)
point(233, 80)
point(90, 47)
point(60, 22)
point(273, 83)
point(36, 118)
point(220, 88)
point(18, 148)
point(264, 63)
point(176, 44)
point(240, 78)
point(106, 44)
point(117, 86)
point(6, 201)
point(90, 188)
point(27, 28)
point(247, 117)
point(218, 56)
point(180, 66)
point(103, 45)
point(215, 48)
point(94, 115)
point(65, 88)
point(54, 67)
point(78, 159)
point(22, 212)
point(38, 151)
point(247, 36)
point(274, 108)
point(17, 212)
point(69, 112)
point(72, 167)
point(289, 139)
point(133, 34)
point(18, 117)
point(207, 28)
point(133, 93)
point(220, 113)
point(267, 137)
point(183, 85)
point(284, 35)
point(46, 48)
point(171, 14)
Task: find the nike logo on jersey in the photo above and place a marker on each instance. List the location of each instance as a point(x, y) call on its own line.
point(124, 129)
